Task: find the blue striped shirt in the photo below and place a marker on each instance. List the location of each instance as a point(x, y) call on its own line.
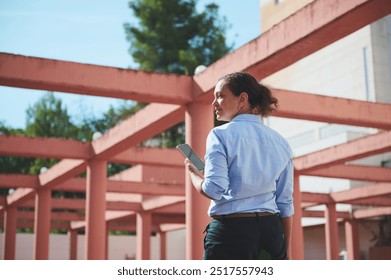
point(248, 168)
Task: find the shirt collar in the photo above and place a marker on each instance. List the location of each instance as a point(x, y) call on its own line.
point(248, 118)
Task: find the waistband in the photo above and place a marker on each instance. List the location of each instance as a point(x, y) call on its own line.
point(242, 215)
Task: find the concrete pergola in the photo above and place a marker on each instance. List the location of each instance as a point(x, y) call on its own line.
point(130, 201)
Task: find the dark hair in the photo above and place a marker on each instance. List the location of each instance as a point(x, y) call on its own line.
point(259, 96)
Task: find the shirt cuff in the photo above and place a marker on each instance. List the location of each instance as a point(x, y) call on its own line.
point(209, 189)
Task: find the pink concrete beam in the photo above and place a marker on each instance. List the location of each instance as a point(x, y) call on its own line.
point(127, 217)
point(321, 214)
point(359, 148)
point(372, 201)
point(128, 227)
point(71, 77)
point(61, 172)
point(170, 175)
point(72, 185)
point(319, 198)
point(353, 172)
point(29, 224)
point(171, 227)
point(141, 126)
point(79, 185)
point(313, 27)
point(20, 196)
point(371, 212)
point(55, 216)
point(366, 195)
point(127, 197)
point(123, 206)
point(304, 205)
point(11, 145)
point(115, 219)
point(144, 155)
point(166, 219)
point(329, 109)
point(177, 208)
point(115, 205)
point(79, 204)
point(118, 216)
point(68, 203)
point(321, 108)
point(156, 203)
point(357, 193)
point(111, 216)
point(18, 181)
point(145, 188)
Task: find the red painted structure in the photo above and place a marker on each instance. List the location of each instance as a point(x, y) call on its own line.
point(132, 200)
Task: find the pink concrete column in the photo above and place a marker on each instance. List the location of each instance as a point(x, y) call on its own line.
point(297, 242)
point(72, 234)
point(107, 241)
point(42, 224)
point(352, 240)
point(9, 242)
point(143, 240)
point(163, 245)
point(199, 121)
point(95, 210)
point(332, 238)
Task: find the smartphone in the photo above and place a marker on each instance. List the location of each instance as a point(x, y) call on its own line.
point(188, 152)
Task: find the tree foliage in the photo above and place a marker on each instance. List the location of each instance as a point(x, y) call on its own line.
point(49, 118)
point(11, 164)
point(172, 37)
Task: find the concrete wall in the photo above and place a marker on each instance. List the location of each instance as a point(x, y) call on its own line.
point(314, 241)
point(120, 247)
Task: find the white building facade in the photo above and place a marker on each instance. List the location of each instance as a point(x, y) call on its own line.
point(355, 67)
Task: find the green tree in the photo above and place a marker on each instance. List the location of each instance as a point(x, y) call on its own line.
point(172, 37)
point(49, 118)
point(11, 164)
point(111, 118)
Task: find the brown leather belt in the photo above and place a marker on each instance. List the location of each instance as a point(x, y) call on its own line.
point(242, 215)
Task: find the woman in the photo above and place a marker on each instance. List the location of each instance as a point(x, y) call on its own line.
point(248, 175)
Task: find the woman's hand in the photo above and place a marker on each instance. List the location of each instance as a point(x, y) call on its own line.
point(193, 169)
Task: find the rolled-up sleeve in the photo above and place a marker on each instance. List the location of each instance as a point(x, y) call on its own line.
point(284, 191)
point(216, 180)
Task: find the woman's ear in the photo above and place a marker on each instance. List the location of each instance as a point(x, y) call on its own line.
point(243, 97)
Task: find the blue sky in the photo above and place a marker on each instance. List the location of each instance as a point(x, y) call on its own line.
point(86, 31)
